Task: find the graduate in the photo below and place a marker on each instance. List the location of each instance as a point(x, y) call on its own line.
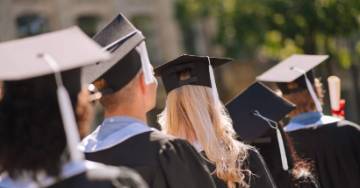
point(128, 91)
point(257, 113)
point(38, 133)
point(332, 144)
point(194, 112)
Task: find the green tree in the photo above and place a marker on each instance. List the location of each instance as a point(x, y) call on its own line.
point(274, 29)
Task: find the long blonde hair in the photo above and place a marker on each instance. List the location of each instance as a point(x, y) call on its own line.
point(191, 113)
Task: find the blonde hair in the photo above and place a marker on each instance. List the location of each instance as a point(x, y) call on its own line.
point(192, 114)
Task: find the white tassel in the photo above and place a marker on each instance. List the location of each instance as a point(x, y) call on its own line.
point(311, 90)
point(145, 63)
point(70, 127)
point(214, 90)
point(274, 125)
point(284, 161)
point(67, 113)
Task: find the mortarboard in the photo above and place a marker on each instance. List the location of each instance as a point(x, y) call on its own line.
point(295, 74)
point(200, 69)
point(60, 53)
point(256, 110)
point(126, 43)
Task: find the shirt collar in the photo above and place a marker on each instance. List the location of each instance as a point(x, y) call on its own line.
point(112, 131)
point(309, 120)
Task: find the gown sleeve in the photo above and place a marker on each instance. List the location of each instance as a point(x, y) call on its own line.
point(183, 167)
point(260, 177)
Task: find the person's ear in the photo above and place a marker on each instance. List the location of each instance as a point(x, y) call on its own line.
point(143, 88)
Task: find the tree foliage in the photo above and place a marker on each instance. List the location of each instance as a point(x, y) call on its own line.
point(278, 28)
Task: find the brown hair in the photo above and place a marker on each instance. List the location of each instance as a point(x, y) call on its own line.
point(32, 137)
point(303, 100)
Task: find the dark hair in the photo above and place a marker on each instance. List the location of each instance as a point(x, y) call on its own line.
point(302, 170)
point(32, 137)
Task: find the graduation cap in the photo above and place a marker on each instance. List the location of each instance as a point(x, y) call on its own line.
point(295, 74)
point(256, 110)
point(129, 55)
point(53, 53)
point(199, 68)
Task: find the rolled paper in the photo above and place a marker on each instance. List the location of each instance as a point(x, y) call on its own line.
point(334, 83)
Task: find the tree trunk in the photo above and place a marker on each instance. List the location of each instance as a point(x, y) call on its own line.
point(355, 77)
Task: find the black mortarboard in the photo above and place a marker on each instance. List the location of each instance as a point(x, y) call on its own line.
point(258, 98)
point(289, 73)
point(197, 66)
point(59, 54)
point(126, 43)
point(255, 111)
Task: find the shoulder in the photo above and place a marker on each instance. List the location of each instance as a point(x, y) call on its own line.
point(167, 141)
point(116, 175)
point(254, 158)
point(260, 175)
point(349, 124)
point(175, 150)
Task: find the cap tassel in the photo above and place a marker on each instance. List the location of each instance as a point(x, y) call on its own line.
point(310, 89)
point(67, 113)
point(145, 63)
point(274, 125)
point(214, 90)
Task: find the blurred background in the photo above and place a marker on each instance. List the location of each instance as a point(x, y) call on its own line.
point(256, 33)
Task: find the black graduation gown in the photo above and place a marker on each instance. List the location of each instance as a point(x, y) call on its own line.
point(161, 160)
point(269, 149)
point(335, 150)
point(261, 177)
point(104, 177)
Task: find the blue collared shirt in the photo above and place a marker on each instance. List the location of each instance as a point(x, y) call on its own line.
point(309, 120)
point(113, 131)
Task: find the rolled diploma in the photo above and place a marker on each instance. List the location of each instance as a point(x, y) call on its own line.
point(334, 83)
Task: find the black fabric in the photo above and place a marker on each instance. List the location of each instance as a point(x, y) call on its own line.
point(104, 177)
point(260, 177)
point(256, 99)
point(335, 150)
point(117, 29)
point(116, 77)
point(269, 149)
point(162, 161)
point(120, 38)
point(197, 66)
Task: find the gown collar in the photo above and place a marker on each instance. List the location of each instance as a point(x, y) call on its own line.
point(113, 131)
point(309, 120)
point(68, 170)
